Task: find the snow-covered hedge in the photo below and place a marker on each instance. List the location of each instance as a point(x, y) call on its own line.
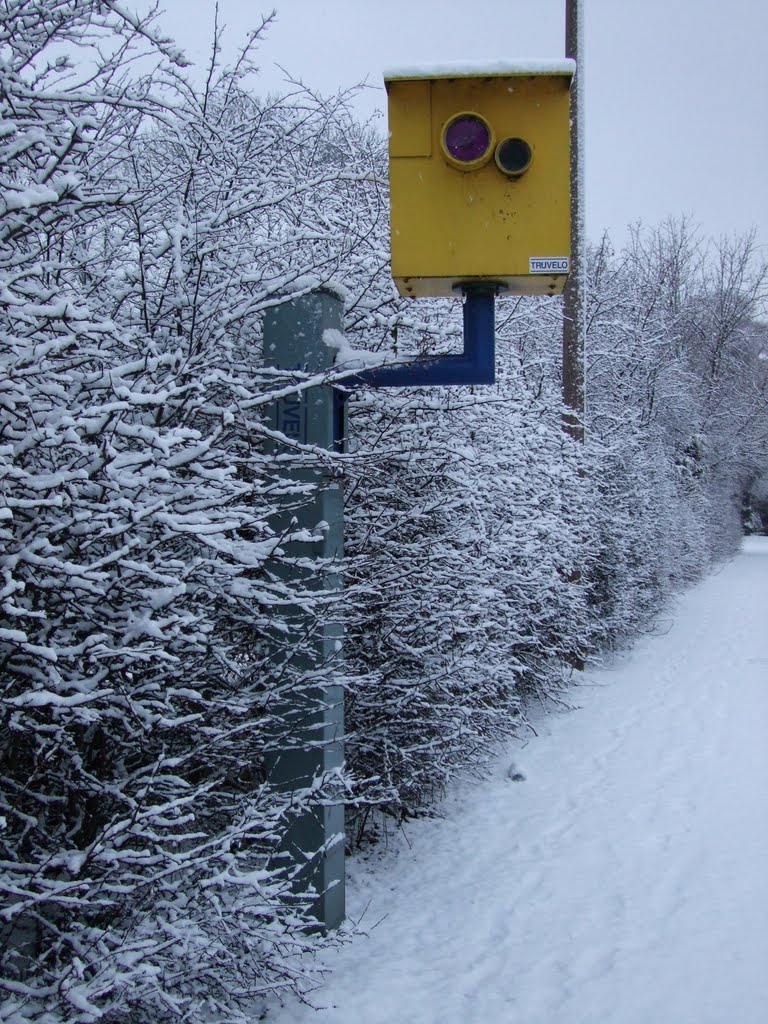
point(144, 230)
point(465, 556)
point(489, 554)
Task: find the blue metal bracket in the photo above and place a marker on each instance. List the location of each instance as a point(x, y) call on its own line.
point(475, 365)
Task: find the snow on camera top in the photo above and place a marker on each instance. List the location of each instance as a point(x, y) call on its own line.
point(482, 69)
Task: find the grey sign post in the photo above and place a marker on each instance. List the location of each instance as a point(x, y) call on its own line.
point(311, 743)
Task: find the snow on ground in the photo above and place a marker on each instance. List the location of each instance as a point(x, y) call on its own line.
point(624, 882)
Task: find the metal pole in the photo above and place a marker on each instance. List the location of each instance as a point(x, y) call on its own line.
point(311, 744)
point(573, 296)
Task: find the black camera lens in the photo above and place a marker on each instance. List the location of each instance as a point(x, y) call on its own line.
point(513, 157)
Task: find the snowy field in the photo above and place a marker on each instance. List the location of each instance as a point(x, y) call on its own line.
point(625, 881)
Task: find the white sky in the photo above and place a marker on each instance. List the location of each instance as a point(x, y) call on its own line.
point(676, 90)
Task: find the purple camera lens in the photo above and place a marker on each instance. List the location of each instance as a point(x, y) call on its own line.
point(467, 138)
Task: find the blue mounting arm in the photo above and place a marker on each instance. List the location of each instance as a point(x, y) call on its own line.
point(476, 364)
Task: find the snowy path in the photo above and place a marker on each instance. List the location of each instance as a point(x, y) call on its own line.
point(625, 882)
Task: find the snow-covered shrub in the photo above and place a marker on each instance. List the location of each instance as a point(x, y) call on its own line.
point(676, 408)
point(488, 551)
point(144, 230)
point(465, 552)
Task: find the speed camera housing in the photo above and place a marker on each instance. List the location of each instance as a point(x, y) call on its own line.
point(479, 163)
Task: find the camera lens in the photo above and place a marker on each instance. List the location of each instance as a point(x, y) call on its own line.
point(467, 141)
point(513, 157)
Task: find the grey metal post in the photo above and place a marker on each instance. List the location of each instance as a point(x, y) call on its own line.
point(313, 741)
point(573, 296)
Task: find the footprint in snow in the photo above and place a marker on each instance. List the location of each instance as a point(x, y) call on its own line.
point(516, 773)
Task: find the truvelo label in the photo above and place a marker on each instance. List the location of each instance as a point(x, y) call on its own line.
point(549, 264)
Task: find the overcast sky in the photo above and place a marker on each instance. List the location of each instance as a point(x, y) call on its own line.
point(676, 103)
